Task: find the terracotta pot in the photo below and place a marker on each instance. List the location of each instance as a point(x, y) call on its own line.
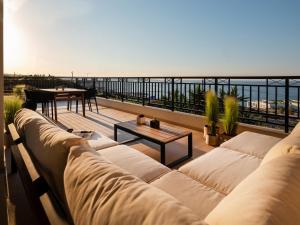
point(212, 140)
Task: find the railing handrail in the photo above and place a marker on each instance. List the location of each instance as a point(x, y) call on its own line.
point(168, 76)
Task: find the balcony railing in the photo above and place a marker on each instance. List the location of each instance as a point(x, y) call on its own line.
point(266, 101)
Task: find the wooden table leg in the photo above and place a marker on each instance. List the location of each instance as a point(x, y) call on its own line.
point(163, 154)
point(76, 106)
point(55, 109)
point(52, 109)
point(190, 145)
point(115, 133)
point(83, 104)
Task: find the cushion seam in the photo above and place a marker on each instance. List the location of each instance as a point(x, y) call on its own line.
point(211, 187)
point(159, 176)
point(243, 153)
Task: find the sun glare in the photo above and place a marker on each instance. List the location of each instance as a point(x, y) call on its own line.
point(13, 43)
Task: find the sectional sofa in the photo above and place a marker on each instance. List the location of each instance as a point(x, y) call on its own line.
point(252, 179)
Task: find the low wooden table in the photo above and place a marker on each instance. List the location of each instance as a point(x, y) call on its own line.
point(162, 136)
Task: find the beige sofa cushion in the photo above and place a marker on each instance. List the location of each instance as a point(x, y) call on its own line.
point(99, 192)
point(135, 162)
point(221, 169)
point(251, 143)
point(198, 197)
point(49, 145)
point(269, 196)
point(23, 117)
point(296, 129)
point(288, 145)
point(99, 141)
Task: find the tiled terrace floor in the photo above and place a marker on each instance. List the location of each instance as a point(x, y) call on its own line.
point(104, 121)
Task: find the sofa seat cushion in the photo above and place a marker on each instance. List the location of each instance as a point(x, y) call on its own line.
point(196, 196)
point(135, 162)
point(49, 147)
point(98, 141)
point(288, 145)
point(99, 192)
point(251, 143)
point(221, 169)
point(269, 196)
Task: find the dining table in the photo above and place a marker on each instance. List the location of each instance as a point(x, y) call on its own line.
point(65, 92)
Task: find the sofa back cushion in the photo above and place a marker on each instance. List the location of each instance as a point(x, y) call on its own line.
point(99, 192)
point(296, 129)
point(269, 196)
point(288, 145)
point(23, 117)
point(49, 147)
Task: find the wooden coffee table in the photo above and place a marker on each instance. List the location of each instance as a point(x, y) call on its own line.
point(162, 136)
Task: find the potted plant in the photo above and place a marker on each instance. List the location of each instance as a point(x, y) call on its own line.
point(11, 105)
point(212, 115)
point(18, 91)
point(230, 118)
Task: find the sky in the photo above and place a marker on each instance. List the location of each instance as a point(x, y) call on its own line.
point(152, 37)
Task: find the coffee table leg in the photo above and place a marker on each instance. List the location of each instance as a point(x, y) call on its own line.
point(115, 133)
point(163, 154)
point(190, 145)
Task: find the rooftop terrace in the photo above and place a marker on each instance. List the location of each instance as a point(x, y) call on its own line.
point(268, 102)
point(104, 121)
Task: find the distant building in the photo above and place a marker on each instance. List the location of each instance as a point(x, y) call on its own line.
point(263, 105)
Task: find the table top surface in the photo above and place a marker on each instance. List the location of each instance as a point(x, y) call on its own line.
point(167, 133)
point(65, 90)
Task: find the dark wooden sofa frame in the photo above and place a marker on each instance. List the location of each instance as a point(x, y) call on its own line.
point(46, 209)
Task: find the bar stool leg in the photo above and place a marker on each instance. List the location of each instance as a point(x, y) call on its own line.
point(96, 105)
point(90, 105)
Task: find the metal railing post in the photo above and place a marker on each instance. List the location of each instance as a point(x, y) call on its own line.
point(173, 93)
point(94, 82)
point(216, 86)
point(143, 90)
point(286, 110)
point(106, 87)
point(122, 89)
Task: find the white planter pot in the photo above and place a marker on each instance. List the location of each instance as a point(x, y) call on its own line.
point(205, 131)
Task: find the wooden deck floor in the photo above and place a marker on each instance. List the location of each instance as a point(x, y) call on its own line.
point(104, 121)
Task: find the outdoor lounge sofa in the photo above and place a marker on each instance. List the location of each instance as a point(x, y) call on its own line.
point(252, 179)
